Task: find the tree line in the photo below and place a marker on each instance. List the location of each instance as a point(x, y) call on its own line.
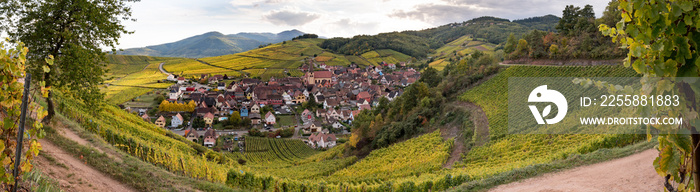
point(576, 38)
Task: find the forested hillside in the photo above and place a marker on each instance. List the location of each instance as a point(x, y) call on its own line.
point(420, 43)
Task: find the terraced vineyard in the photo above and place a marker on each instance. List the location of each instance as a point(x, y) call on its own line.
point(386, 55)
point(464, 45)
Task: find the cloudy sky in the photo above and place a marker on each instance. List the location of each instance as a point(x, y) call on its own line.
point(163, 21)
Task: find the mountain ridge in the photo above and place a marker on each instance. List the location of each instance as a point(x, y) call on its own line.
point(212, 43)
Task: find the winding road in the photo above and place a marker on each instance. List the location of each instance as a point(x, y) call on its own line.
point(160, 67)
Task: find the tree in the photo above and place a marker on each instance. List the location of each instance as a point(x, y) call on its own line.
point(159, 99)
point(568, 19)
point(163, 105)
point(71, 31)
point(553, 49)
point(431, 77)
point(235, 118)
point(666, 47)
point(511, 43)
point(611, 15)
point(586, 20)
point(191, 106)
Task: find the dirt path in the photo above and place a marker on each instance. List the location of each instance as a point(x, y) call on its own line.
point(70, 134)
point(632, 173)
point(481, 127)
point(72, 173)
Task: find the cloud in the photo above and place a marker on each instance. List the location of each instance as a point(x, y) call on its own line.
point(350, 27)
point(439, 13)
point(447, 11)
point(289, 17)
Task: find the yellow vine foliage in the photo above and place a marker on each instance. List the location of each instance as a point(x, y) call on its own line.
point(12, 71)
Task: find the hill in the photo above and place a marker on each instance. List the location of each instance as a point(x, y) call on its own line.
point(421, 43)
point(130, 76)
point(275, 59)
point(212, 44)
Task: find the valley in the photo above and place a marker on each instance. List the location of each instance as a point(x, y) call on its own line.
point(414, 110)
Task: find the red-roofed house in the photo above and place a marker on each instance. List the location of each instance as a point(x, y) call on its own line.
point(180, 80)
point(364, 95)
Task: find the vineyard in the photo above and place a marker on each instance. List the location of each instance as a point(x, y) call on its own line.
point(464, 45)
point(273, 60)
point(386, 55)
point(262, 150)
point(507, 152)
point(122, 65)
point(190, 67)
point(423, 154)
point(282, 163)
point(129, 86)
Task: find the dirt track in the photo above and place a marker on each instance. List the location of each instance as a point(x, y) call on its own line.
point(71, 173)
point(632, 173)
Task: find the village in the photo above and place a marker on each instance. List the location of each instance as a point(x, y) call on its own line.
point(318, 107)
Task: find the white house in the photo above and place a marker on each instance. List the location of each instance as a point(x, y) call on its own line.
point(174, 94)
point(287, 98)
point(176, 120)
point(180, 80)
point(171, 77)
point(321, 140)
point(338, 125)
point(255, 108)
point(270, 118)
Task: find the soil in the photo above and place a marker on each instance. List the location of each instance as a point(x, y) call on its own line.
point(631, 173)
point(73, 174)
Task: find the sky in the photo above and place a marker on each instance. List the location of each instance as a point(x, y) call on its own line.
point(164, 21)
